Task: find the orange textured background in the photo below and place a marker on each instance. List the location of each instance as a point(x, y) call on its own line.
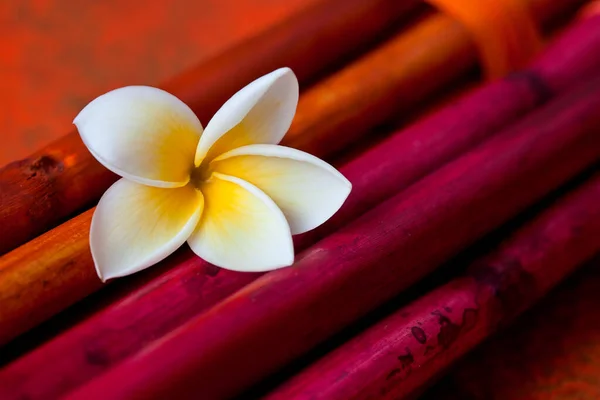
point(59, 54)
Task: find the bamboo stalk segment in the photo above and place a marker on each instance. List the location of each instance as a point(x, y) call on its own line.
point(571, 59)
point(552, 352)
point(39, 192)
point(342, 100)
point(34, 199)
point(187, 286)
point(383, 85)
point(401, 354)
point(286, 312)
point(504, 30)
point(339, 98)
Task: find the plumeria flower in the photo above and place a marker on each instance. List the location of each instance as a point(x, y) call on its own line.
point(229, 190)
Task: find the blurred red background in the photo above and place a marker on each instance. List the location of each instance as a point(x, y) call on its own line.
point(59, 54)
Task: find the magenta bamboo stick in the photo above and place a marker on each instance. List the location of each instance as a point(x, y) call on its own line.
point(38, 192)
point(401, 354)
point(286, 312)
point(179, 293)
point(574, 57)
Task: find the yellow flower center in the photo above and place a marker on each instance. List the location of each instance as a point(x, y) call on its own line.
point(200, 175)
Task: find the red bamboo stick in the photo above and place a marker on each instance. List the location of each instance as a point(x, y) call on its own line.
point(339, 98)
point(40, 191)
point(67, 272)
point(187, 287)
point(574, 57)
point(286, 312)
point(551, 353)
point(398, 356)
point(63, 178)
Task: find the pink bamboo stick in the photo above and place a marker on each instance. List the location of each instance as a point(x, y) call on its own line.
point(286, 312)
point(574, 57)
point(401, 354)
point(40, 191)
point(187, 285)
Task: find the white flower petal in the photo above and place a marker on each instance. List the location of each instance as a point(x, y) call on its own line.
point(241, 228)
point(308, 190)
point(143, 134)
point(136, 226)
point(260, 113)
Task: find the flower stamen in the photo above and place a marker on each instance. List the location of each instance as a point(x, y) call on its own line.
point(199, 175)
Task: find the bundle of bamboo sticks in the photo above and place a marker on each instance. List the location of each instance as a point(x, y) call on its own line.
point(524, 148)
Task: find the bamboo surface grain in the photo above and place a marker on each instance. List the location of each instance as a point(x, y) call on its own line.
point(35, 199)
point(187, 286)
point(400, 355)
point(40, 191)
point(286, 312)
point(306, 118)
point(551, 353)
point(69, 265)
point(338, 101)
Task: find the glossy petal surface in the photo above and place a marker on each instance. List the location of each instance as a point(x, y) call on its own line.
point(241, 227)
point(308, 190)
point(136, 226)
point(260, 113)
point(142, 133)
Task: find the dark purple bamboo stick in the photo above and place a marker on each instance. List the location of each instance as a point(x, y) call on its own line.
point(40, 191)
point(179, 293)
point(573, 58)
point(398, 357)
point(286, 312)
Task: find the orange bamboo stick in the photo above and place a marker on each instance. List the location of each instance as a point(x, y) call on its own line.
point(343, 103)
point(40, 191)
point(390, 79)
point(505, 32)
point(284, 313)
point(331, 114)
point(58, 261)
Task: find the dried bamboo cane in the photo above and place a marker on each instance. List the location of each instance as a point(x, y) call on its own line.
point(63, 178)
point(286, 312)
point(40, 191)
point(550, 353)
point(55, 270)
point(190, 285)
point(401, 354)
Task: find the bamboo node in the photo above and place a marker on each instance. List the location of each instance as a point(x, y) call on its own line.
point(504, 31)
